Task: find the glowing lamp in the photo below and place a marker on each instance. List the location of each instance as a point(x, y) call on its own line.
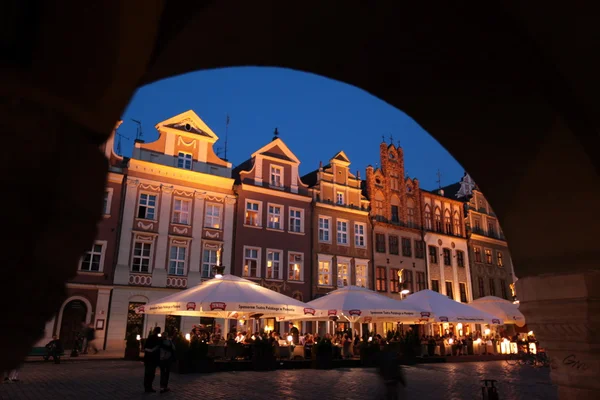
point(530, 333)
point(487, 331)
point(370, 338)
point(159, 335)
point(450, 341)
point(188, 337)
point(138, 337)
point(478, 341)
point(290, 338)
point(405, 291)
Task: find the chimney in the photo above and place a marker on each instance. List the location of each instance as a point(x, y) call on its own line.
point(358, 175)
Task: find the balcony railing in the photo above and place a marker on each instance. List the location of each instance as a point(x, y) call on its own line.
point(349, 206)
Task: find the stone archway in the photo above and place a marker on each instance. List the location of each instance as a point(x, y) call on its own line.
point(481, 75)
point(75, 312)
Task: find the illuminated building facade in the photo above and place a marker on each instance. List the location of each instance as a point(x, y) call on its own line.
point(178, 221)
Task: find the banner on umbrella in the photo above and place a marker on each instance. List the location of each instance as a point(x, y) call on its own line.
point(217, 306)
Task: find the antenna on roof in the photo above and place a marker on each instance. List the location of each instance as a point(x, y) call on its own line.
point(226, 131)
point(138, 133)
point(439, 179)
point(391, 139)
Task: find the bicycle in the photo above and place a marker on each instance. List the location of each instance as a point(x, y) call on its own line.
point(537, 360)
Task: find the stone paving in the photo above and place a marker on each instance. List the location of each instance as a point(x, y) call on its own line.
point(123, 380)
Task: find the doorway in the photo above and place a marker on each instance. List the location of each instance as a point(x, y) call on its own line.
point(73, 318)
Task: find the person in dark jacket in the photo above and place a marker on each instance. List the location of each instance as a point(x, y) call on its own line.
point(151, 359)
point(54, 349)
point(391, 373)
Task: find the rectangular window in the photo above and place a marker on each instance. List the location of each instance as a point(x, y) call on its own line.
point(419, 249)
point(108, 193)
point(488, 256)
point(460, 258)
point(435, 285)
point(295, 266)
point(427, 217)
point(433, 254)
point(380, 279)
point(92, 260)
point(251, 262)
point(406, 247)
point(295, 224)
point(492, 287)
point(408, 281)
point(252, 217)
point(339, 198)
point(362, 275)
point(379, 207)
point(181, 211)
point(212, 216)
point(394, 280)
point(276, 176)
point(324, 229)
point(343, 270)
point(395, 214)
point(274, 217)
point(359, 235)
point(394, 249)
point(209, 260)
point(325, 273)
point(481, 287)
point(184, 160)
point(177, 260)
point(477, 254)
point(463, 292)
point(499, 259)
point(394, 182)
point(503, 292)
point(273, 264)
point(410, 217)
point(141, 257)
point(449, 291)
point(421, 285)
point(342, 232)
point(447, 257)
point(492, 228)
point(147, 206)
point(380, 242)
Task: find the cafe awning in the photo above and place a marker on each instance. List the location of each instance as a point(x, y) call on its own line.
point(506, 310)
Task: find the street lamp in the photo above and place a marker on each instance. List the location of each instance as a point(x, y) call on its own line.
point(218, 269)
point(403, 285)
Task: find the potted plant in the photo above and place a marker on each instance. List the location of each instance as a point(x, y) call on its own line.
point(132, 347)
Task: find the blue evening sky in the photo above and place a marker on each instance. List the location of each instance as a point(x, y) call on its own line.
point(316, 118)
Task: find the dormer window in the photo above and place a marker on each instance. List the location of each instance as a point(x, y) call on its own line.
point(340, 198)
point(184, 160)
point(276, 176)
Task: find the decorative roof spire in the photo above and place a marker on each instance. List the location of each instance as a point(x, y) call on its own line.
point(276, 133)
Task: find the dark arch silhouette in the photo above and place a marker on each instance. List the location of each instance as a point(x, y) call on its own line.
point(517, 78)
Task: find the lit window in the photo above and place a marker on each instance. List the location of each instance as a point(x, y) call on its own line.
point(273, 264)
point(252, 217)
point(499, 256)
point(324, 273)
point(362, 276)
point(147, 206)
point(296, 264)
point(177, 260)
point(141, 257)
point(209, 260)
point(181, 211)
point(488, 256)
point(477, 254)
point(343, 275)
point(251, 262)
point(212, 216)
point(275, 217)
point(184, 160)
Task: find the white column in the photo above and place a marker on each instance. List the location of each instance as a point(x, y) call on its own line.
point(455, 284)
point(229, 215)
point(159, 272)
point(102, 304)
point(122, 267)
point(194, 277)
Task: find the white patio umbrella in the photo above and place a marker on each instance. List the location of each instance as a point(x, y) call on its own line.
point(444, 309)
point(506, 310)
point(357, 304)
point(228, 297)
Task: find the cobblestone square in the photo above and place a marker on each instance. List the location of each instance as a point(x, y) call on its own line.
point(123, 380)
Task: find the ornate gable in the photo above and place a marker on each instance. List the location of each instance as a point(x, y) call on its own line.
point(188, 123)
point(278, 149)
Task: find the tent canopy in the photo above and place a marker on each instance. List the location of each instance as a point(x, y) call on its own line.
point(228, 296)
point(444, 309)
point(506, 310)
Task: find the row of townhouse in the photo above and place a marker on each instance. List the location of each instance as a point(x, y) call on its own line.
point(175, 210)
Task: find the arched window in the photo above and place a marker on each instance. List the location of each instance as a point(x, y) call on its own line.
point(379, 204)
point(457, 224)
point(427, 216)
point(410, 213)
point(438, 220)
point(447, 223)
point(395, 209)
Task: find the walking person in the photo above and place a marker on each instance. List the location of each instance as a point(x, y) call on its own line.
point(151, 359)
point(391, 374)
point(90, 336)
point(167, 356)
